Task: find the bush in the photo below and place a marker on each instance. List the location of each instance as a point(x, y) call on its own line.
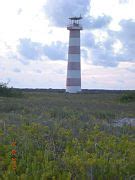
point(6, 91)
point(127, 97)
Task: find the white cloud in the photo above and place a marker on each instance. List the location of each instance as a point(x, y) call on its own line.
point(108, 78)
point(113, 8)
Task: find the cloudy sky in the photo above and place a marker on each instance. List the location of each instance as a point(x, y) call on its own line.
point(34, 43)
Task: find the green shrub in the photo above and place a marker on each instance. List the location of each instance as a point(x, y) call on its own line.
point(6, 91)
point(127, 97)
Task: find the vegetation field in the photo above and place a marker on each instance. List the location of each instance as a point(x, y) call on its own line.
point(50, 135)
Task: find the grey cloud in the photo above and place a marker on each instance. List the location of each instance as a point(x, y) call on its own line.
point(123, 1)
point(87, 39)
point(38, 71)
point(100, 22)
point(96, 23)
point(33, 50)
point(84, 53)
point(29, 49)
point(127, 38)
point(57, 50)
point(103, 52)
point(131, 69)
point(16, 70)
point(59, 12)
point(104, 57)
point(60, 71)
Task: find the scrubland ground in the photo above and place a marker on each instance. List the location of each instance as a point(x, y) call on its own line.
point(67, 136)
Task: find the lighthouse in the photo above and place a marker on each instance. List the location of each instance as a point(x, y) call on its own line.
point(73, 81)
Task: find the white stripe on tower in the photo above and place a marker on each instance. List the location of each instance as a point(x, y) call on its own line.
point(73, 83)
point(74, 57)
point(74, 41)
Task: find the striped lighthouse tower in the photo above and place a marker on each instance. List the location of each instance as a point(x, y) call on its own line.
point(73, 83)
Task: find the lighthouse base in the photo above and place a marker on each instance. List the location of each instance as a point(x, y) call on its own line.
point(73, 89)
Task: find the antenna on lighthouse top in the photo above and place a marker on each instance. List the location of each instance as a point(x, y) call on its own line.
point(76, 18)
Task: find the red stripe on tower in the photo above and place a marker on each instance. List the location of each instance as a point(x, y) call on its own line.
point(74, 50)
point(73, 82)
point(75, 33)
point(73, 66)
